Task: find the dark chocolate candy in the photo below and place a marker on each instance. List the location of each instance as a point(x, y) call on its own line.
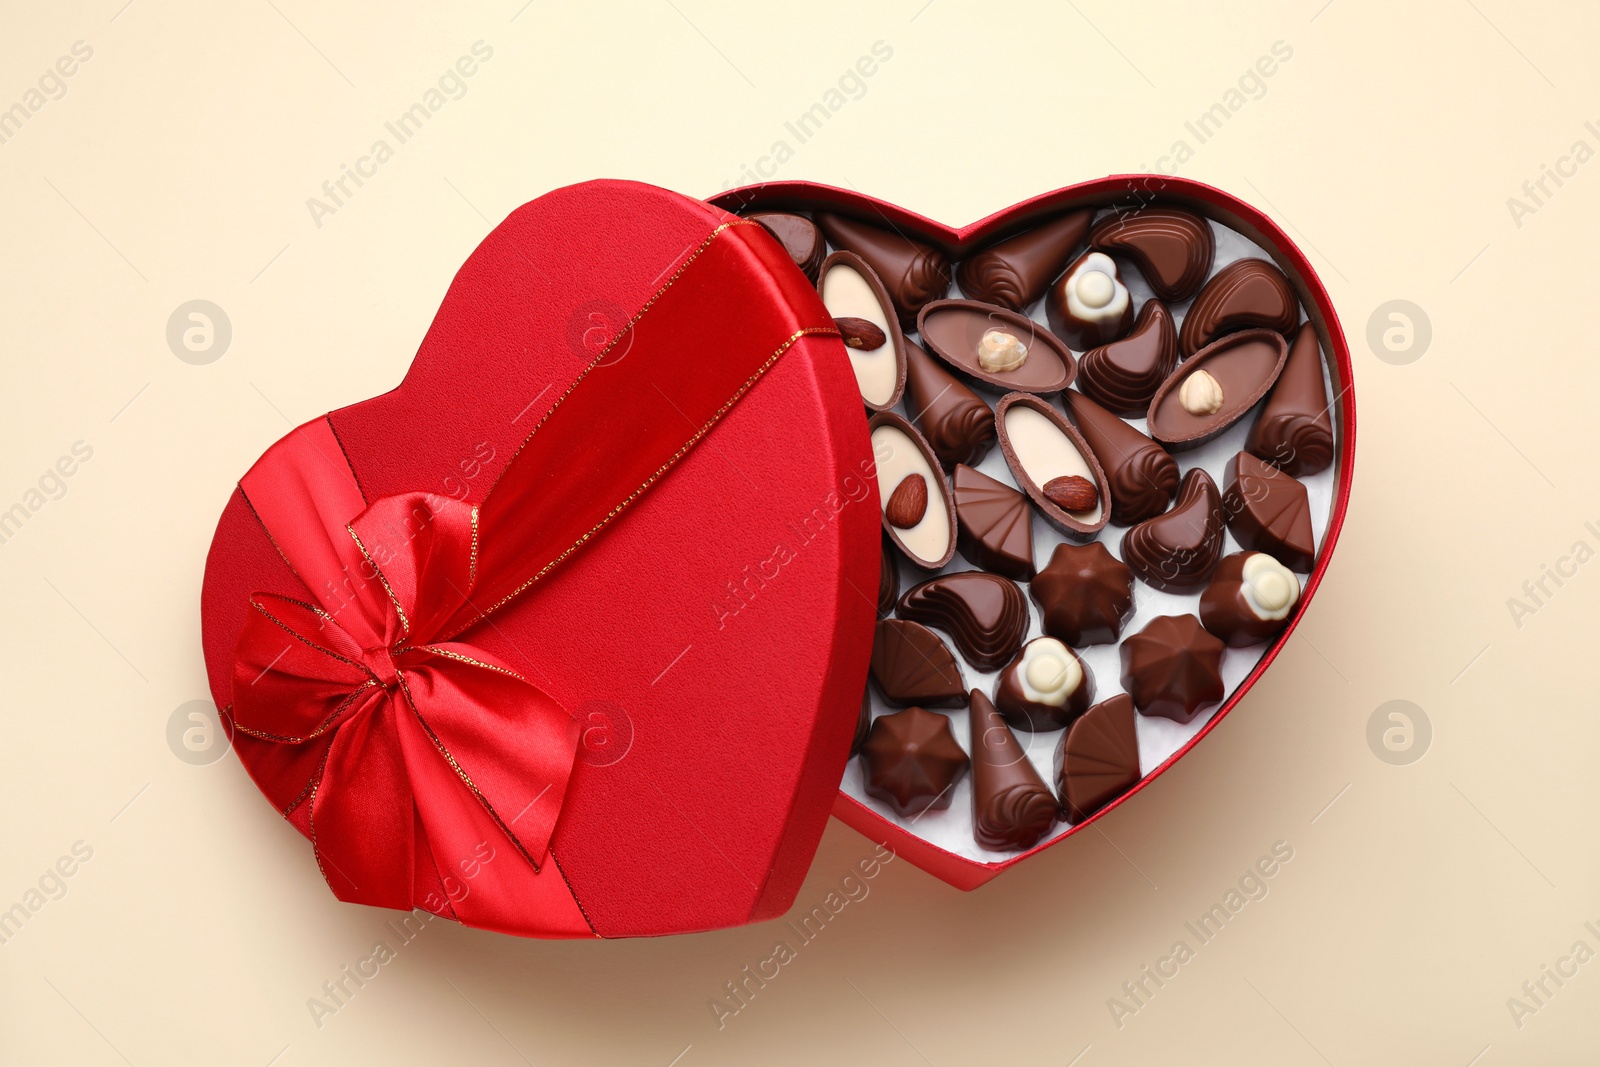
point(1016, 272)
point(863, 723)
point(1098, 759)
point(900, 451)
point(1172, 668)
point(1294, 431)
point(1085, 595)
point(996, 524)
point(1249, 600)
point(799, 237)
point(1180, 549)
point(888, 581)
point(1142, 475)
point(912, 761)
point(984, 613)
point(1268, 511)
point(960, 331)
point(1012, 808)
point(1123, 375)
point(913, 272)
point(1172, 248)
point(1040, 445)
point(1216, 387)
point(911, 666)
point(851, 290)
point(1045, 687)
point(1090, 305)
point(1247, 293)
point(958, 425)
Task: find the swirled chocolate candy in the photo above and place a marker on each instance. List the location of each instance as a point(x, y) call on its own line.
point(912, 761)
point(1085, 595)
point(1046, 453)
point(1098, 759)
point(1216, 387)
point(958, 425)
point(1294, 431)
point(888, 581)
point(1045, 687)
point(1249, 600)
point(1090, 305)
point(911, 666)
point(1180, 549)
point(927, 536)
point(995, 524)
point(1016, 272)
point(1268, 511)
point(1123, 375)
point(863, 723)
point(1172, 668)
point(998, 349)
point(860, 306)
point(984, 613)
point(913, 272)
point(1245, 294)
point(1012, 808)
point(799, 237)
point(1172, 248)
point(1142, 475)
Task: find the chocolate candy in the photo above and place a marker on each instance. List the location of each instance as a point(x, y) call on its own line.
point(863, 723)
point(852, 291)
point(1251, 292)
point(1090, 305)
point(901, 453)
point(1294, 431)
point(911, 666)
point(958, 425)
point(996, 348)
point(1249, 600)
point(1012, 808)
point(1216, 387)
point(1123, 375)
point(1040, 446)
point(1016, 272)
point(1172, 248)
point(1268, 511)
point(1045, 687)
point(1098, 759)
point(912, 761)
point(1085, 595)
point(984, 613)
point(1180, 549)
point(913, 272)
point(1172, 668)
point(888, 582)
point(995, 524)
point(799, 237)
point(1142, 475)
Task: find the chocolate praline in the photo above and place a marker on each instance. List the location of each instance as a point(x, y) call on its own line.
point(1172, 668)
point(1216, 387)
point(1172, 248)
point(1012, 808)
point(888, 580)
point(995, 524)
point(1294, 431)
point(1045, 687)
point(1244, 294)
point(855, 297)
point(1268, 511)
point(901, 452)
point(799, 237)
point(912, 761)
point(984, 613)
point(1179, 550)
point(1085, 595)
point(1124, 374)
point(1041, 446)
point(863, 723)
point(1098, 759)
point(1090, 304)
point(914, 272)
point(911, 665)
point(1143, 475)
point(1249, 600)
point(958, 425)
point(1015, 272)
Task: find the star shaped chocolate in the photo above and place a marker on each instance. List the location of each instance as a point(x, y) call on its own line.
point(912, 761)
point(1085, 595)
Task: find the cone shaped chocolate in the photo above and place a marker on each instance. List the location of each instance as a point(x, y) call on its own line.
point(1294, 431)
point(1143, 475)
point(913, 272)
point(1098, 759)
point(1016, 272)
point(958, 425)
point(1012, 808)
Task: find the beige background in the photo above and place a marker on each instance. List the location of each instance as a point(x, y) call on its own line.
point(177, 166)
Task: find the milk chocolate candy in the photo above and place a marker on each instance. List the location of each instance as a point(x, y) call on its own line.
point(1216, 388)
point(1012, 808)
point(912, 761)
point(1045, 687)
point(1098, 759)
point(799, 237)
point(913, 272)
point(1249, 600)
point(911, 666)
point(1180, 549)
point(1245, 294)
point(1142, 475)
point(1085, 595)
point(984, 613)
point(1090, 305)
point(995, 524)
point(1294, 431)
point(1040, 447)
point(863, 723)
point(996, 349)
point(854, 295)
point(1016, 272)
point(1268, 511)
point(958, 425)
point(1123, 375)
point(1172, 248)
point(888, 581)
point(901, 453)
point(1172, 668)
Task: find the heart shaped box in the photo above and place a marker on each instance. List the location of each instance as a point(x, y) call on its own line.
point(1127, 191)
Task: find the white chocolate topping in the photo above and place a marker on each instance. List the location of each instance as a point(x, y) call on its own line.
point(1094, 294)
point(1050, 672)
point(1269, 588)
point(846, 294)
point(1001, 351)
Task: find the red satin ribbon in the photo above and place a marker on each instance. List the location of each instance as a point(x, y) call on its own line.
point(411, 753)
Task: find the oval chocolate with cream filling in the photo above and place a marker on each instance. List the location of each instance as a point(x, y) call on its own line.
point(901, 453)
point(1040, 446)
point(850, 290)
point(998, 349)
